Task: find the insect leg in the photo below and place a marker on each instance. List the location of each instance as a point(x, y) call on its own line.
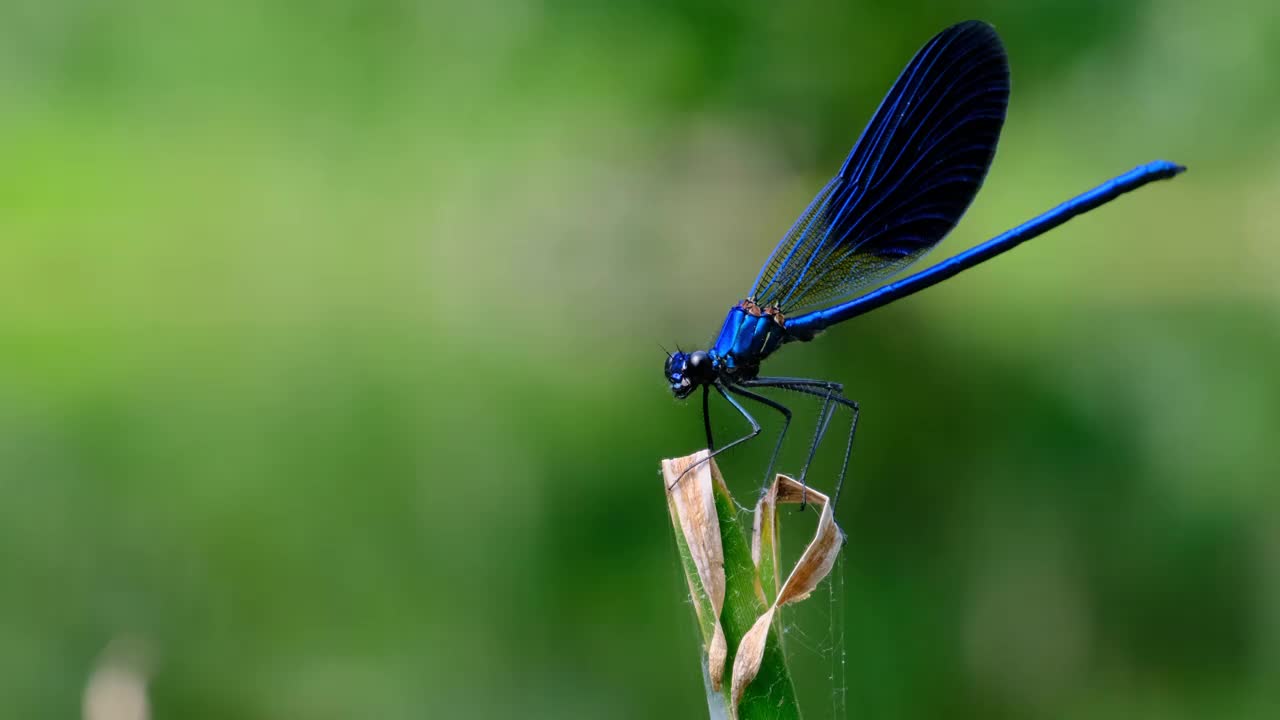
point(829, 392)
point(706, 417)
point(755, 426)
point(786, 423)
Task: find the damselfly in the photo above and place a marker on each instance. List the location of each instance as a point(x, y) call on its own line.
point(905, 184)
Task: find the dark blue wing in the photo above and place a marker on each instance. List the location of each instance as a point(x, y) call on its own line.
point(907, 181)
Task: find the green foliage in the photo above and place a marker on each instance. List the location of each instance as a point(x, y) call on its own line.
point(318, 320)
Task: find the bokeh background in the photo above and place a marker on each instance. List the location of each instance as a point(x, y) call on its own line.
point(330, 372)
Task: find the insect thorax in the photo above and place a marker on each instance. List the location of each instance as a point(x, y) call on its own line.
point(749, 335)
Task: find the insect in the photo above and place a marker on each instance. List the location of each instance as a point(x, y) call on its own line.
point(913, 172)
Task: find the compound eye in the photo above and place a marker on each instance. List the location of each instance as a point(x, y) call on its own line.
point(675, 363)
point(698, 359)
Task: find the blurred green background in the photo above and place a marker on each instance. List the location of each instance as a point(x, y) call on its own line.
point(330, 377)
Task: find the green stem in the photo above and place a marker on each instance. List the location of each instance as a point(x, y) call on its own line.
point(771, 695)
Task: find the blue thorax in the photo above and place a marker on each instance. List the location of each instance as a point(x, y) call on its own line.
point(749, 336)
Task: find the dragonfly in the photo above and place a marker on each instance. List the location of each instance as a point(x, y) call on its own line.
point(905, 184)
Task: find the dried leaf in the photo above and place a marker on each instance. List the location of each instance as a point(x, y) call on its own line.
point(814, 565)
point(693, 509)
point(733, 609)
point(746, 664)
